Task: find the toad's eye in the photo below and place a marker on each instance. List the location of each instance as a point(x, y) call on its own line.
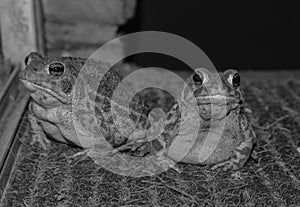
point(56, 69)
point(235, 80)
point(27, 60)
point(197, 79)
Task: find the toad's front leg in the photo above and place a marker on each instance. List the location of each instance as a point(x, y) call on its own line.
point(238, 159)
point(141, 141)
point(38, 135)
point(243, 151)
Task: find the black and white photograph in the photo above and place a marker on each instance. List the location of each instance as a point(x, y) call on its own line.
point(149, 103)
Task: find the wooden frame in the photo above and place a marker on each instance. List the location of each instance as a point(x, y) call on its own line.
point(21, 33)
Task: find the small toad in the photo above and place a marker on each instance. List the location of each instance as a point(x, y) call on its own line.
point(206, 126)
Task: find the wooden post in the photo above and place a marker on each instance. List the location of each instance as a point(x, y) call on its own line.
point(21, 33)
point(18, 29)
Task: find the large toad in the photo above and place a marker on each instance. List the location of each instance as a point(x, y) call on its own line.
point(53, 83)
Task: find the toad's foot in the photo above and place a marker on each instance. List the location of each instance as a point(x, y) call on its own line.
point(141, 142)
point(227, 165)
point(135, 148)
point(166, 163)
point(239, 158)
point(41, 139)
point(81, 153)
point(92, 153)
point(38, 135)
point(150, 149)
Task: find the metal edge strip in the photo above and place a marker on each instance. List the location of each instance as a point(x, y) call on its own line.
point(13, 103)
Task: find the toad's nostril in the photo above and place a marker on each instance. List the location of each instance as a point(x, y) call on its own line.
point(198, 92)
point(35, 69)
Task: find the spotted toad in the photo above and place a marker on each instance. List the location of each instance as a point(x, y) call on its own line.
point(206, 126)
point(52, 83)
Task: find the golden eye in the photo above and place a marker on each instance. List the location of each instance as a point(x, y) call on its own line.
point(32, 56)
point(197, 79)
point(234, 80)
point(27, 60)
point(56, 69)
point(200, 77)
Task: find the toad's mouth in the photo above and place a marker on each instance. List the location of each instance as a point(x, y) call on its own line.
point(34, 88)
point(215, 99)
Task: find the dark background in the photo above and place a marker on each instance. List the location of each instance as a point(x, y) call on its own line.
point(241, 34)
